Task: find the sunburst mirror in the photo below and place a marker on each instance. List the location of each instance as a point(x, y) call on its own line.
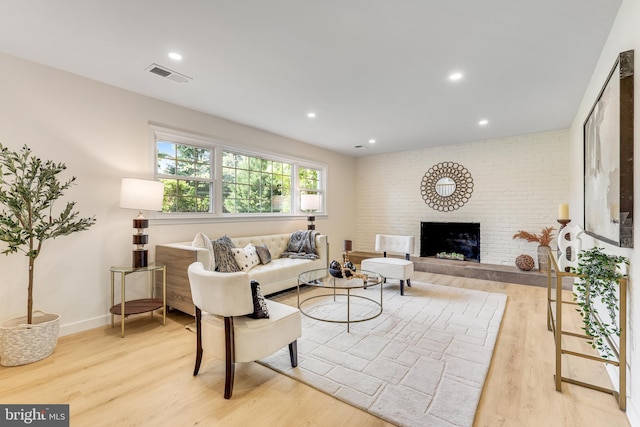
point(446, 186)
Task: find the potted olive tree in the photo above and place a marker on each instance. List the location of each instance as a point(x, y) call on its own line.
point(29, 187)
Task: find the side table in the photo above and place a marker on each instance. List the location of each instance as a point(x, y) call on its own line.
point(137, 306)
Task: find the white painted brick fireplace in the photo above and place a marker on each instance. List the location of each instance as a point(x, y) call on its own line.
point(518, 183)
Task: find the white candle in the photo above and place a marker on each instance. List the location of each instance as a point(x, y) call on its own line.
point(563, 211)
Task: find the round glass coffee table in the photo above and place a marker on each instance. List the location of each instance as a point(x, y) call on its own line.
point(339, 291)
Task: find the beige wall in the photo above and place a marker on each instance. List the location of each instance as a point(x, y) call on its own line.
point(102, 134)
point(624, 35)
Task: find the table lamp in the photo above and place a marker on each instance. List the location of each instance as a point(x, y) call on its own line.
point(142, 195)
point(310, 202)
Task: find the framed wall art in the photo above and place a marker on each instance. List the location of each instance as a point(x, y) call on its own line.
point(608, 158)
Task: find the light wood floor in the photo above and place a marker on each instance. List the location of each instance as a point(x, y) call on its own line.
point(146, 378)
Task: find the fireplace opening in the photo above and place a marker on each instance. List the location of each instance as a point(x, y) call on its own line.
point(451, 237)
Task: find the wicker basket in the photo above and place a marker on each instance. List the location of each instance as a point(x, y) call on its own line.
point(22, 343)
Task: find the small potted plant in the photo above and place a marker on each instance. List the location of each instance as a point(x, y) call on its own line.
point(543, 239)
point(599, 275)
point(29, 188)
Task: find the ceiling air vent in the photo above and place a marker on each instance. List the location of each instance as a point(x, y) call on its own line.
point(167, 73)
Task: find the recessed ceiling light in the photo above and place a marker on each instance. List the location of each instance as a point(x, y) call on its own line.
point(372, 141)
point(175, 56)
point(455, 76)
point(483, 122)
point(311, 115)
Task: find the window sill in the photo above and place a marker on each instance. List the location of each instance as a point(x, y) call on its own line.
point(176, 219)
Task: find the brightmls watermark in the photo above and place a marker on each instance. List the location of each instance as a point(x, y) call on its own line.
point(34, 415)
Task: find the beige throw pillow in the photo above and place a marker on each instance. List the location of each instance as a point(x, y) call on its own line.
point(246, 257)
point(202, 241)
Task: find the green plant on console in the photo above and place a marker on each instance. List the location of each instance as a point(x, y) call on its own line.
point(29, 188)
point(599, 277)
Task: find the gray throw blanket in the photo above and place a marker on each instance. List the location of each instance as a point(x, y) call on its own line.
point(302, 244)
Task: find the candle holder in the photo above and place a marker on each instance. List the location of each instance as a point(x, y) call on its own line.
point(563, 223)
point(347, 248)
point(568, 254)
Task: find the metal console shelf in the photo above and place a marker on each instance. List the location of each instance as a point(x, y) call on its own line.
point(554, 323)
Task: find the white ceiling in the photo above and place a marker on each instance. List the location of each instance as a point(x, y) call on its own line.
point(368, 68)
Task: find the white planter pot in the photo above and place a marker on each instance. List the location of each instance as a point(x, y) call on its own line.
point(276, 203)
point(22, 343)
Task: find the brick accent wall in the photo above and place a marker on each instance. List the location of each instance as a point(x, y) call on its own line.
point(518, 183)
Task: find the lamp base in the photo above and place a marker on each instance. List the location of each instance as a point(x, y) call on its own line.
point(311, 219)
point(140, 258)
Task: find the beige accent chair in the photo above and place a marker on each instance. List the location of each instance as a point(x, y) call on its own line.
point(392, 268)
point(224, 329)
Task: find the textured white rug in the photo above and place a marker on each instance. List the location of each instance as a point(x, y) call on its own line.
point(422, 362)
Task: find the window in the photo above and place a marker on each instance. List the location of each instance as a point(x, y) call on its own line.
point(206, 178)
point(253, 184)
point(187, 174)
point(310, 182)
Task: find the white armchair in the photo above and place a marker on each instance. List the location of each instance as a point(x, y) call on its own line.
point(392, 268)
point(223, 301)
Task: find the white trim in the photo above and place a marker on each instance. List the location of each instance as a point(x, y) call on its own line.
point(175, 219)
point(84, 325)
point(217, 147)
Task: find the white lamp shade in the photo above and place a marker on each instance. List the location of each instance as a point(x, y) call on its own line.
point(141, 194)
point(310, 202)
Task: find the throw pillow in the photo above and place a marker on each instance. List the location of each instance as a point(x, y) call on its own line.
point(263, 254)
point(225, 261)
point(260, 310)
point(246, 257)
point(202, 241)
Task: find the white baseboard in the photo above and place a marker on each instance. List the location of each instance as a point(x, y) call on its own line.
point(632, 414)
point(96, 322)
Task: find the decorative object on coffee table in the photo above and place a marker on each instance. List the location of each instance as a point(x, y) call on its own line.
point(337, 270)
point(543, 239)
point(525, 262)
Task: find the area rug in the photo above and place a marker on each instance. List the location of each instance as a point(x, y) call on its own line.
point(422, 362)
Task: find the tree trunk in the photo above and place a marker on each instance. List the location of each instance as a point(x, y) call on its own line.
point(30, 292)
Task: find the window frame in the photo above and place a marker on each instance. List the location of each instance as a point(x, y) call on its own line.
point(217, 147)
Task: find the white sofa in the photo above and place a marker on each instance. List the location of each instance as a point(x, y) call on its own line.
point(278, 275)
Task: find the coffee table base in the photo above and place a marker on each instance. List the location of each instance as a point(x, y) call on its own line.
point(348, 295)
